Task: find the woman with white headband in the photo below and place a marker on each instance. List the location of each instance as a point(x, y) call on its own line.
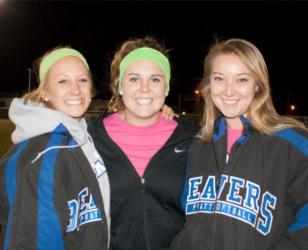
point(144, 153)
point(54, 188)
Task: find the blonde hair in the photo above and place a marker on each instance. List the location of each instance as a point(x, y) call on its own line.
point(261, 112)
point(36, 95)
point(116, 102)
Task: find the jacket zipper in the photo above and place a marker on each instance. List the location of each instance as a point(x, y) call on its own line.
point(147, 240)
point(215, 203)
point(219, 173)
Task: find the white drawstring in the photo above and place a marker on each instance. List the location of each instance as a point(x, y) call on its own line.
point(56, 147)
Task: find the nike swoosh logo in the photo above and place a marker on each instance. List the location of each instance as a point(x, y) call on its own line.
point(176, 150)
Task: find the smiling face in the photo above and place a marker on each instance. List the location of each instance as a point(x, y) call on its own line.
point(68, 87)
point(143, 92)
point(232, 88)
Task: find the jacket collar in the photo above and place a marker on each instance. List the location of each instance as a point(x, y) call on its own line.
point(220, 129)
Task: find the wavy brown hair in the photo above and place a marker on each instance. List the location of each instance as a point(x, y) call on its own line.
point(126, 47)
point(261, 112)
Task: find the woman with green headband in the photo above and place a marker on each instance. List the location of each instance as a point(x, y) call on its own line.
point(144, 153)
point(54, 188)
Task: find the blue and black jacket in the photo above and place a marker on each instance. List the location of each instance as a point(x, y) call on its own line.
point(256, 200)
point(52, 202)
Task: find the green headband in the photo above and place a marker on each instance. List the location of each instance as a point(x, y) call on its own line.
point(56, 55)
point(146, 53)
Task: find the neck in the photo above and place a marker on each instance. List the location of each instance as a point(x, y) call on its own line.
point(136, 121)
point(234, 123)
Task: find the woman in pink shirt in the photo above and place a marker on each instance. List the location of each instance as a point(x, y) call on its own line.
point(145, 154)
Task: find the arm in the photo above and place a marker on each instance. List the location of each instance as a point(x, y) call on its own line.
point(3, 204)
point(33, 221)
point(296, 236)
point(168, 112)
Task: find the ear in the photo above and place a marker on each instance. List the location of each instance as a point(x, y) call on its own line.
point(120, 90)
point(256, 88)
point(166, 93)
point(44, 96)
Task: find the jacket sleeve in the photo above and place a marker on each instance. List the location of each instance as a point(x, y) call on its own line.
point(296, 236)
point(3, 199)
point(33, 221)
point(3, 203)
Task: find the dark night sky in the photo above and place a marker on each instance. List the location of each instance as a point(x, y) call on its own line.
point(96, 28)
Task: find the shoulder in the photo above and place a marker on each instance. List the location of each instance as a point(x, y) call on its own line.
point(21, 155)
point(94, 125)
point(31, 146)
point(25, 152)
point(199, 142)
point(297, 138)
point(190, 126)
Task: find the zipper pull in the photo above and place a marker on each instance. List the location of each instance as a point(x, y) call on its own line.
point(142, 185)
point(217, 183)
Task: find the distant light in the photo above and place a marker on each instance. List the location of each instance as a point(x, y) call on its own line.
point(197, 92)
point(183, 113)
point(293, 107)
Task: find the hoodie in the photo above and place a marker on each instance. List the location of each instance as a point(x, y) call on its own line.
point(33, 120)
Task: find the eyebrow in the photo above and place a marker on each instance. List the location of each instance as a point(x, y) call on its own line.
point(240, 74)
point(66, 75)
point(137, 74)
point(159, 75)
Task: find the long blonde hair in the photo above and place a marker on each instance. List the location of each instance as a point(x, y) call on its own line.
point(261, 112)
point(116, 102)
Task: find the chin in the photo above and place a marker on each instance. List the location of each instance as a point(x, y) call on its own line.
point(76, 115)
point(148, 115)
point(231, 116)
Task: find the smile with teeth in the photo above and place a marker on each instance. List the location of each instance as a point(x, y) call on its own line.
point(143, 101)
point(73, 102)
point(230, 101)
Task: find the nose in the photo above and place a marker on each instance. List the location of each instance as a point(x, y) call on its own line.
point(230, 88)
point(144, 87)
point(75, 88)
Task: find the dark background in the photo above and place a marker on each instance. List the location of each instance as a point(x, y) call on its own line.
point(96, 28)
